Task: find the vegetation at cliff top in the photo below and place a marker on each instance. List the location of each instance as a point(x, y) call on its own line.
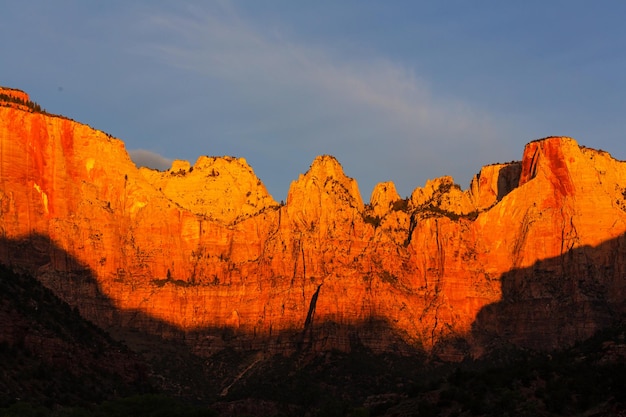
point(31, 105)
point(7, 100)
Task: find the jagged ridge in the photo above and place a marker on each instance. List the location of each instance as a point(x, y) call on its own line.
point(202, 251)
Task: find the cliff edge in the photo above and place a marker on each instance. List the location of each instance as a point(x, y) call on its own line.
point(204, 248)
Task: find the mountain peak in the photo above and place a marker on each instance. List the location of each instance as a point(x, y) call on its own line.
point(326, 166)
point(324, 181)
point(205, 250)
point(221, 188)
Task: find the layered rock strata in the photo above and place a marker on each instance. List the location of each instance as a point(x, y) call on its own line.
point(531, 254)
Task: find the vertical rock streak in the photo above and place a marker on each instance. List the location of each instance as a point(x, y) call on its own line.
point(188, 247)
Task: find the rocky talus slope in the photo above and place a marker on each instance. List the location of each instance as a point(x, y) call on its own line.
point(533, 253)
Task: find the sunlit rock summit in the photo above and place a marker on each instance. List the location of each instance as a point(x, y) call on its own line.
point(532, 254)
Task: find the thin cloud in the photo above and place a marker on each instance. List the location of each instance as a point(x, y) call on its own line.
point(372, 113)
point(149, 159)
point(225, 47)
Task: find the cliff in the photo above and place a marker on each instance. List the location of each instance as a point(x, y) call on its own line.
point(50, 355)
point(195, 251)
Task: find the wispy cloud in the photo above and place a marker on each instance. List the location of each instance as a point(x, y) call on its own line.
point(149, 159)
point(371, 113)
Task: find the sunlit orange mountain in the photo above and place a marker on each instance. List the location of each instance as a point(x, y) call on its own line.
point(532, 254)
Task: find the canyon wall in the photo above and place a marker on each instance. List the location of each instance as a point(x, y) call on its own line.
point(533, 253)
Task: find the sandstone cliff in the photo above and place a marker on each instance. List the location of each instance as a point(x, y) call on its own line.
point(532, 254)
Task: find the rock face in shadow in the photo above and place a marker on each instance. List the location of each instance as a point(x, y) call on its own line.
point(189, 250)
point(50, 355)
point(554, 301)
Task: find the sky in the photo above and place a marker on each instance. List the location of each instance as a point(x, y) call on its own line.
point(401, 91)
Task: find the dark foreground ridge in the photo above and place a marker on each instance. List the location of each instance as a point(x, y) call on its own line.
point(51, 356)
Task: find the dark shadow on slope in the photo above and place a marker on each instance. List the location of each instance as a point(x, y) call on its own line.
point(199, 364)
point(557, 301)
point(172, 366)
point(508, 179)
point(49, 355)
point(549, 305)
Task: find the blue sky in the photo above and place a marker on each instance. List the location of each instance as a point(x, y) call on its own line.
point(398, 91)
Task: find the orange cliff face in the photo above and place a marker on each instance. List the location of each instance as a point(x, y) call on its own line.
point(205, 248)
